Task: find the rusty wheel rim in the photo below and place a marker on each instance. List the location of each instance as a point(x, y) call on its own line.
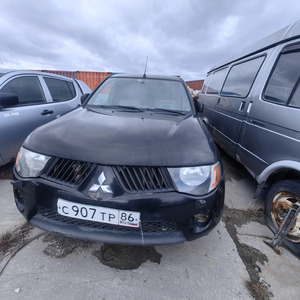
point(280, 206)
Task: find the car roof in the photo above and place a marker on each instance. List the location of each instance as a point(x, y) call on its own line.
point(10, 73)
point(141, 76)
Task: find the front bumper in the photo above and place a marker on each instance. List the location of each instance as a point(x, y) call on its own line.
point(166, 217)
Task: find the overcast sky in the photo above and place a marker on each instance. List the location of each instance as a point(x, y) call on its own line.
point(180, 37)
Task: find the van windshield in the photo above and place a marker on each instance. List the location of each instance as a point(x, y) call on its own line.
point(141, 93)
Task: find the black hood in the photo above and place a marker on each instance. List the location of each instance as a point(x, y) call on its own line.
point(125, 139)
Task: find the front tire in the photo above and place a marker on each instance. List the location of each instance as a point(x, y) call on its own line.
point(279, 199)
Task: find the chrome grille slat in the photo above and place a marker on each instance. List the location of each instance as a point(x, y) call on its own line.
point(137, 176)
point(134, 182)
point(58, 169)
point(123, 172)
point(144, 178)
point(69, 172)
point(135, 179)
point(68, 165)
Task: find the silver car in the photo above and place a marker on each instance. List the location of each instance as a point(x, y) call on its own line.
point(30, 99)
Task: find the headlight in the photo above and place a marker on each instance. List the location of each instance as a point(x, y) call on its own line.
point(30, 164)
point(196, 180)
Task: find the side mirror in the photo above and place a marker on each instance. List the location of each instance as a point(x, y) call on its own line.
point(84, 97)
point(199, 106)
point(8, 99)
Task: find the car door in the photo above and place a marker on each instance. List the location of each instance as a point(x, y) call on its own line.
point(232, 103)
point(63, 94)
point(36, 107)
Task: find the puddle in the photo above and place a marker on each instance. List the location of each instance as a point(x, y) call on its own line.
point(249, 255)
point(126, 257)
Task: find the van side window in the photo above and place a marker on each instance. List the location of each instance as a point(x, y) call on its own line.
point(241, 77)
point(215, 82)
point(205, 84)
point(283, 85)
point(60, 90)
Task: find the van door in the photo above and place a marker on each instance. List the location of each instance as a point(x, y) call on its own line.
point(272, 129)
point(233, 101)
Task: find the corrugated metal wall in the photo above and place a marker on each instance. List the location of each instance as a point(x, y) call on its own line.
point(92, 79)
point(195, 84)
point(70, 74)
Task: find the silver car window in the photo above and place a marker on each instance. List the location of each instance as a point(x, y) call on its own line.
point(60, 90)
point(27, 88)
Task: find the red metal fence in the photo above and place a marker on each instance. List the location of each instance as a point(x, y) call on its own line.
point(195, 84)
point(92, 79)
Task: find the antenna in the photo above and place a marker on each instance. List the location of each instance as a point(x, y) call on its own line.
point(144, 76)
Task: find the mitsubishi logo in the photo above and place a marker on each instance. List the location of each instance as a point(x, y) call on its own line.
point(104, 187)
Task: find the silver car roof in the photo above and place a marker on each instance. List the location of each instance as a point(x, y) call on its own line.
point(10, 73)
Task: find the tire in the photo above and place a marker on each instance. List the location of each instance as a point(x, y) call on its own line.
point(279, 198)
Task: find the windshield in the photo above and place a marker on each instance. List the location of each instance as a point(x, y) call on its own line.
point(142, 93)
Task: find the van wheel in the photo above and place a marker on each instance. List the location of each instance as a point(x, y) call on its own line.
point(279, 199)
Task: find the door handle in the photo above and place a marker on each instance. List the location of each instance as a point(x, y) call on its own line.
point(242, 105)
point(249, 107)
point(47, 112)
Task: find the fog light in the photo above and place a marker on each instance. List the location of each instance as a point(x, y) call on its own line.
point(201, 218)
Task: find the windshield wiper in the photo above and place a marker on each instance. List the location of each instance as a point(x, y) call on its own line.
point(121, 107)
point(169, 111)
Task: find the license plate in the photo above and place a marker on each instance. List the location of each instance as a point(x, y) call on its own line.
point(98, 213)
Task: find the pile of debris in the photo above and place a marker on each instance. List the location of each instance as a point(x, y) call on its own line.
point(194, 94)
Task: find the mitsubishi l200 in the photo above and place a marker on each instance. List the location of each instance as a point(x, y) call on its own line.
point(134, 165)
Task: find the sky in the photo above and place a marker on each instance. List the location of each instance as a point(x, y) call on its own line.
point(179, 37)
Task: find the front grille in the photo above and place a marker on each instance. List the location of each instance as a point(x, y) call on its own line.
point(143, 179)
point(147, 227)
point(68, 172)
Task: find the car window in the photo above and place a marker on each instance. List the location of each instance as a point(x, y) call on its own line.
point(241, 77)
point(295, 99)
point(27, 88)
point(215, 83)
point(101, 96)
point(142, 93)
point(205, 84)
point(60, 90)
point(283, 87)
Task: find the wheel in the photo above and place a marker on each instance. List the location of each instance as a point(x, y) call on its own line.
point(279, 199)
